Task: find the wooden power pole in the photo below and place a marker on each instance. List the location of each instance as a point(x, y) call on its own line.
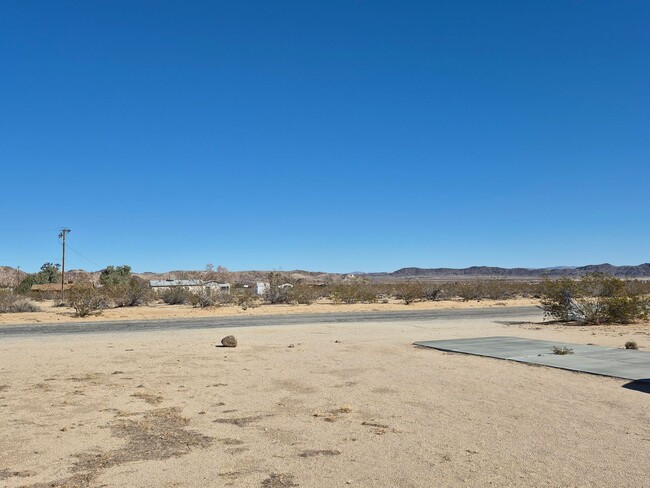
point(62, 234)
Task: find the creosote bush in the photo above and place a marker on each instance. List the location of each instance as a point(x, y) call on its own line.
point(176, 295)
point(415, 291)
point(209, 298)
point(131, 292)
point(594, 299)
point(85, 299)
point(304, 294)
point(354, 292)
point(11, 303)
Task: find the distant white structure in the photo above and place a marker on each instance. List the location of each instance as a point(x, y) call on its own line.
point(190, 285)
point(262, 288)
point(215, 286)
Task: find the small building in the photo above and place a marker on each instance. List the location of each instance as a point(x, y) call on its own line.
point(218, 287)
point(190, 285)
point(163, 285)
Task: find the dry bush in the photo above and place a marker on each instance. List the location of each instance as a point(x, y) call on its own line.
point(631, 345)
point(85, 299)
point(489, 289)
point(276, 293)
point(355, 292)
point(415, 291)
point(209, 298)
point(562, 351)
point(176, 295)
point(132, 292)
point(245, 299)
point(304, 294)
point(12, 303)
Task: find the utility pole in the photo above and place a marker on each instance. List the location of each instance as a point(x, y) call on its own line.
point(62, 234)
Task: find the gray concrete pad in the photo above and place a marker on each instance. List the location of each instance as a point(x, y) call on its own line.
point(605, 361)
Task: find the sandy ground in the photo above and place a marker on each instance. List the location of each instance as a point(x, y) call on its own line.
point(53, 314)
point(315, 406)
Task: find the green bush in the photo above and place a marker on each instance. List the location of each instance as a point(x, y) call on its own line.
point(115, 275)
point(594, 299)
point(132, 292)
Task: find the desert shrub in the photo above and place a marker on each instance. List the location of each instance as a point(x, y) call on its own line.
point(11, 303)
point(562, 351)
point(132, 292)
point(631, 345)
point(176, 295)
point(244, 299)
point(356, 292)
point(85, 299)
point(303, 294)
point(594, 299)
point(276, 293)
point(415, 291)
point(209, 298)
point(558, 298)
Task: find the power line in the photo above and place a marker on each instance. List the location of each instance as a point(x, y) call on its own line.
point(82, 256)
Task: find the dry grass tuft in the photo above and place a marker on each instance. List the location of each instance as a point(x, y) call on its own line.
point(319, 452)
point(278, 480)
point(148, 398)
point(241, 421)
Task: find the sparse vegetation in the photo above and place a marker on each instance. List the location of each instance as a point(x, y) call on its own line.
point(11, 303)
point(176, 295)
point(277, 292)
point(85, 299)
point(131, 292)
point(594, 299)
point(303, 294)
point(631, 345)
point(415, 291)
point(353, 292)
point(562, 351)
point(209, 298)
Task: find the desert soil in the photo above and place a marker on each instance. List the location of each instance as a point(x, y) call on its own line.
point(315, 406)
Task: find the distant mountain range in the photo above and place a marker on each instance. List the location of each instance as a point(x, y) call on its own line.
point(640, 271)
point(11, 276)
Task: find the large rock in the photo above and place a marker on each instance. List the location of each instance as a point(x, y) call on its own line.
point(229, 341)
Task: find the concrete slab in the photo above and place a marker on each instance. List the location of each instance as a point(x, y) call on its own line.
point(605, 361)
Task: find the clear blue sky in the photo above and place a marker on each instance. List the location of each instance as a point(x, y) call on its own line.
point(335, 136)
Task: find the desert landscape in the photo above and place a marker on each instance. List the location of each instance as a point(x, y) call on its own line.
point(324, 244)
